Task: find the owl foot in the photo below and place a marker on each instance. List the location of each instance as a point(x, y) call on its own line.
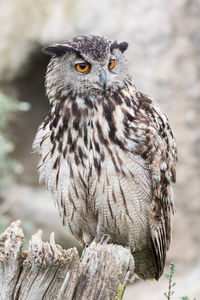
point(83, 252)
point(104, 240)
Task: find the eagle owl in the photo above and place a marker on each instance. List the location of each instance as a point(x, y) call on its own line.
point(107, 152)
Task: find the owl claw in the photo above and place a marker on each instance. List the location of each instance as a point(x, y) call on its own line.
point(104, 239)
point(83, 252)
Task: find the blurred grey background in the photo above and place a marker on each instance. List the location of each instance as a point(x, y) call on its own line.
point(164, 58)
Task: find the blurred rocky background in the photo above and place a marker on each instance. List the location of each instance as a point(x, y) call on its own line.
point(164, 58)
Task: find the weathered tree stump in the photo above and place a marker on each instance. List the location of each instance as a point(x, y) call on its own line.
point(48, 272)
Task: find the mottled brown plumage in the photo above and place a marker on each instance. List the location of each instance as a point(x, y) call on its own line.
point(107, 152)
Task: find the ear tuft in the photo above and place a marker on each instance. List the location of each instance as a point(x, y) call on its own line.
point(123, 46)
point(55, 49)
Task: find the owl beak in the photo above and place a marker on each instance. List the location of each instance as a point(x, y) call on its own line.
point(103, 80)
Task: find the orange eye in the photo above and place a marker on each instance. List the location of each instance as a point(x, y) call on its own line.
point(111, 64)
point(82, 67)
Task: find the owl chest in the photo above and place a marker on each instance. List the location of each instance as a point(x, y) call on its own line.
point(95, 170)
point(94, 179)
point(88, 150)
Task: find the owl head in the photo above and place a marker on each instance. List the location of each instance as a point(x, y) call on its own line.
point(85, 65)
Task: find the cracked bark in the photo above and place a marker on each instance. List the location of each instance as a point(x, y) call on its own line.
point(48, 272)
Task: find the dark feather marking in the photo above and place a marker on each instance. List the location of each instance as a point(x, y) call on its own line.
point(124, 200)
point(72, 215)
point(112, 129)
point(77, 161)
point(69, 137)
point(80, 132)
point(63, 98)
point(102, 156)
point(59, 107)
point(94, 206)
point(157, 208)
point(96, 146)
point(64, 215)
point(118, 142)
point(126, 130)
point(91, 147)
point(156, 259)
point(145, 154)
point(85, 135)
point(75, 190)
point(107, 221)
point(97, 215)
point(110, 209)
point(62, 202)
point(134, 103)
point(43, 160)
point(111, 104)
point(113, 160)
point(75, 111)
point(85, 112)
point(107, 111)
point(46, 156)
point(55, 120)
point(71, 95)
point(71, 200)
point(119, 159)
point(72, 148)
point(59, 134)
point(46, 121)
point(40, 165)
point(70, 168)
point(108, 183)
point(65, 151)
point(80, 152)
point(66, 119)
point(143, 98)
point(100, 134)
point(83, 198)
point(103, 187)
point(117, 98)
point(82, 155)
point(97, 166)
point(127, 101)
point(95, 188)
point(57, 177)
point(129, 117)
point(60, 146)
point(57, 162)
point(111, 123)
point(170, 131)
point(82, 180)
point(88, 102)
point(90, 171)
point(76, 124)
point(52, 137)
point(113, 196)
point(44, 138)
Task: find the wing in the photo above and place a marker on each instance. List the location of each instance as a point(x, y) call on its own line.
point(160, 151)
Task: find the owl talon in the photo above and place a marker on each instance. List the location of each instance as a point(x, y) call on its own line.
point(104, 239)
point(83, 252)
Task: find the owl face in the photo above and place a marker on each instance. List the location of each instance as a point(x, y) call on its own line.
point(87, 65)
